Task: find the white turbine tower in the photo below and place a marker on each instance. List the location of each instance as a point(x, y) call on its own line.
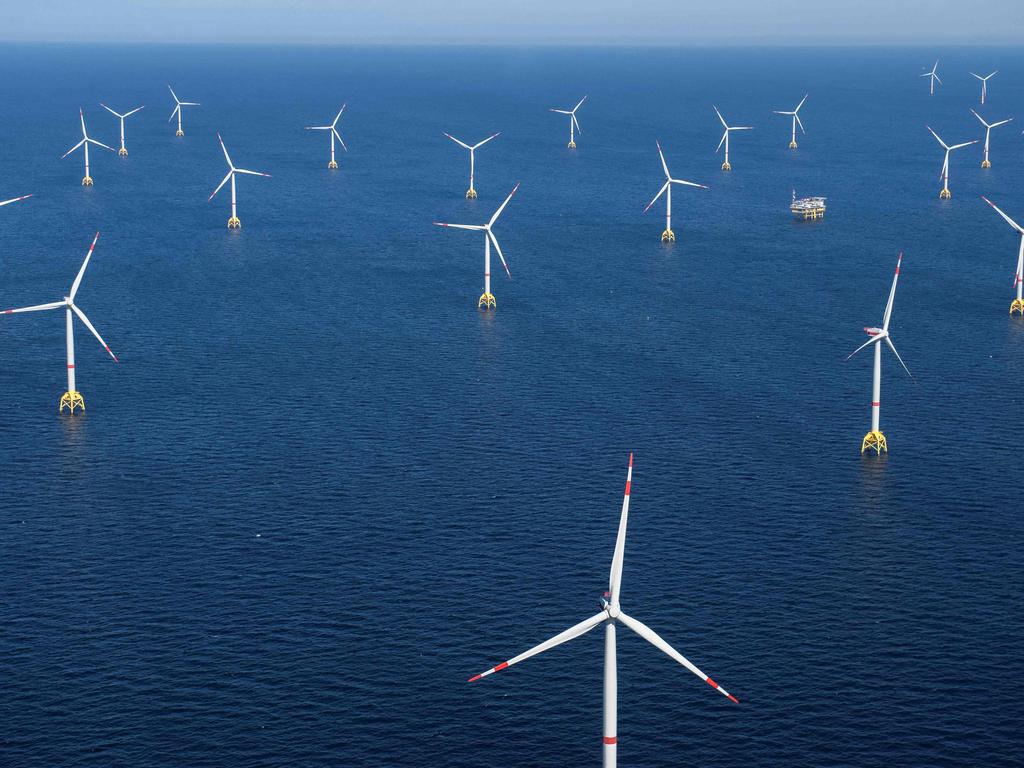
point(123, 152)
point(668, 236)
point(471, 192)
point(14, 200)
point(610, 614)
point(1018, 277)
point(988, 130)
point(725, 137)
point(875, 439)
point(934, 77)
point(984, 83)
point(178, 104)
point(333, 128)
point(945, 194)
point(233, 222)
point(85, 142)
point(795, 114)
point(574, 124)
point(71, 399)
point(486, 298)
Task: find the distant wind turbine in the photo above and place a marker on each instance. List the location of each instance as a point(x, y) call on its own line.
point(984, 83)
point(988, 130)
point(471, 192)
point(725, 137)
point(795, 114)
point(333, 128)
point(945, 194)
point(573, 122)
point(122, 151)
point(178, 104)
point(233, 222)
point(1018, 277)
point(85, 142)
point(668, 236)
point(934, 78)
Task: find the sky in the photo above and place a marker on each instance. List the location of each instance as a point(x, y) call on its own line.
point(654, 22)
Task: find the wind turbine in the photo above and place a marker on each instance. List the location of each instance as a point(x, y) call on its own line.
point(945, 194)
point(609, 615)
point(984, 83)
point(875, 439)
point(333, 128)
point(14, 200)
point(934, 76)
point(668, 236)
point(1018, 278)
point(795, 114)
point(487, 299)
point(122, 151)
point(725, 137)
point(233, 222)
point(178, 104)
point(85, 142)
point(573, 122)
point(72, 398)
point(988, 129)
point(471, 192)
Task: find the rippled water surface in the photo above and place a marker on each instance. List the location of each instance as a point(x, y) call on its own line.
point(321, 489)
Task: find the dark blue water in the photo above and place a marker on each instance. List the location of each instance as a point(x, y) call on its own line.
point(321, 489)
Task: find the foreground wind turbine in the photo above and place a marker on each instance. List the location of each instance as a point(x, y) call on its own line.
point(178, 104)
point(1018, 278)
point(611, 613)
point(72, 398)
point(487, 299)
point(934, 77)
point(471, 192)
point(122, 151)
point(725, 137)
point(573, 122)
point(875, 439)
point(945, 194)
point(85, 142)
point(233, 222)
point(795, 114)
point(333, 128)
point(984, 83)
point(14, 200)
point(988, 129)
point(668, 236)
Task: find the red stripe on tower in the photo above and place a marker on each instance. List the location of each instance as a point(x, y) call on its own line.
point(611, 739)
point(875, 405)
point(71, 365)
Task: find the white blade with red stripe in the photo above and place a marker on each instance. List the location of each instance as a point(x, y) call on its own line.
point(655, 639)
point(615, 575)
point(869, 342)
point(892, 294)
point(338, 116)
point(573, 632)
point(933, 133)
point(501, 207)
point(219, 186)
point(688, 183)
point(84, 319)
point(1006, 218)
point(73, 149)
point(37, 308)
point(893, 348)
point(501, 256)
point(460, 226)
point(720, 118)
point(661, 154)
point(480, 144)
point(100, 144)
point(81, 272)
point(585, 98)
point(660, 193)
point(14, 200)
point(460, 143)
point(252, 173)
point(338, 137)
point(226, 157)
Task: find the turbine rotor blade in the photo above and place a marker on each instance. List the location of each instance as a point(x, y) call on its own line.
point(661, 154)
point(480, 144)
point(869, 342)
point(460, 143)
point(81, 272)
point(892, 294)
point(501, 256)
point(501, 208)
point(73, 149)
point(338, 137)
point(100, 144)
point(471, 227)
point(36, 308)
point(688, 183)
point(84, 319)
point(722, 140)
point(219, 186)
point(893, 348)
point(15, 200)
point(660, 192)
point(615, 574)
point(338, 116)
point(1006, 218)
point(251, 173)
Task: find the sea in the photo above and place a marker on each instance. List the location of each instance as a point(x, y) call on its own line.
point(321, 488)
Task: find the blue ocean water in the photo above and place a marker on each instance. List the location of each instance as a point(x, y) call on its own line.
point(321, 489)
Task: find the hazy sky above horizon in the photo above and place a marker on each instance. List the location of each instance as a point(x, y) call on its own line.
point(688, 22)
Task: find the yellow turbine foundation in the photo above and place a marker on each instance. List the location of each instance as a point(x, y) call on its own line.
point(471, 194)
point(333, 165)
point(986, 164)
point(945, 194)
point(234, 223)
point(486, 301)
point(726, 166)
point(179, 132)
point(122, 152)
point(87, 181)
point(792, 145)
point(71, 400)
point(1017, 306)
point(874, 441)
point(668, 236)
point(572, 145)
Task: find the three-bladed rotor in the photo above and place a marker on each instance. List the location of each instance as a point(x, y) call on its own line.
point(333, 127)
point(668, 179)
point(232, 170)
point(878, 335)
point(486, 228)
point(85, 138)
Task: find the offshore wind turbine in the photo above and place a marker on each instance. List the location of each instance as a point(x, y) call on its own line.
point(573, 122)
point(668, 236)
point(123, 152)
point(1018, 277)
point(486, 298)
point(945, 194)
point(85, 142)
point(984, 83)
point(795, 114)
point(934, 77)
point(178, 104)
point(875, 439)
point(471, 192)
point(988, 130)
point(233, 222)
point(333, 128)
point(725, 137)
point(71, 399)
point(609, 615)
